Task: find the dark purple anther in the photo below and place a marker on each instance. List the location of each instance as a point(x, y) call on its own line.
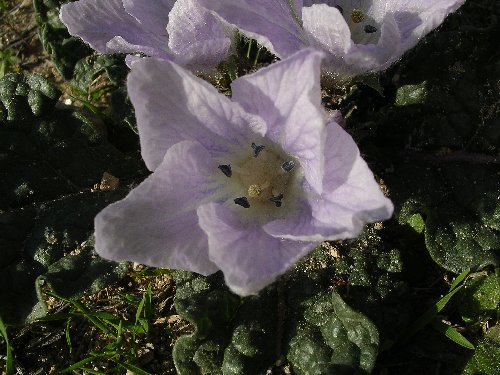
point(226, 169)
point(242, 201)
point(257, 149)
point(277, 200)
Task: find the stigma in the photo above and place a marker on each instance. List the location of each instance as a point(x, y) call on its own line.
point(357, 16)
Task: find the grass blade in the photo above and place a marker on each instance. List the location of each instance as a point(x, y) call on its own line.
point(87, 314)
point(428, 316)
point(136, 370)
point(68, 338)
point(92, 371)
point(77, 365)
point(9, 366)
point(459, 279)
point(452, 334)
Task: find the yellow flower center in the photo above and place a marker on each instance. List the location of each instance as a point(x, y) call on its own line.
point(357, 15)
point(263, 180)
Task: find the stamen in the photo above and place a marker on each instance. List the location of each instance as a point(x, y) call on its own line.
point(357, 16)
point(254, 191)
point(277, 200)
point(257, 149)
point(226, 169)
point(242, 201)
point(341, 10)
point(369, 29)
point(287, 166)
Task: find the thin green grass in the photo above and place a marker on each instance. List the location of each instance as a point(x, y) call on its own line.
point(429, 317)
point(8, 60)
point(121, 351)
point(9, 358)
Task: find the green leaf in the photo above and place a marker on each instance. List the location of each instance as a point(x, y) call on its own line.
point(52, 159)
point(411, 94)
point(417, 223)
point(88, 70)
point(480, 298)
point(23, 96)
point(65, 51)
point(438, 142)
point(350, 339)
point(486, 358)
point(295, 318)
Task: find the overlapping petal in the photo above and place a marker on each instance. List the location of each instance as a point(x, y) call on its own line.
point(248, 256)
point(198, 39)
point(344, 56)
point(351, 197)
point(108, 28)
point(286, 26)
point(287, 96)
point(152, 14)
point(190, 213)
point(192, 110)
point(195, 45)
point(271, 22)
point(157, 224)
point(417, 18)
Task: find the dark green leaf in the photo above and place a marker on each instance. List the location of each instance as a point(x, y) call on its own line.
point(336, 339)
point(479, 298)
point(23, 96)
point(63, 49)
point(294, 318)
point(486, 358)
point(52, 159)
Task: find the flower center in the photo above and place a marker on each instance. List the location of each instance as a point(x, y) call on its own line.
point(263, 179)
point(364, 29)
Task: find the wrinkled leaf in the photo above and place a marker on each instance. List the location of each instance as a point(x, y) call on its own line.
point(486, 358)
point(441, 140)
point(295, 318)
point(479, 298)
point(337, 339)
point(65, 51)
point(54, 161)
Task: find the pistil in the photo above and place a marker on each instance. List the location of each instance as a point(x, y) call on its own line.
point(357, 16)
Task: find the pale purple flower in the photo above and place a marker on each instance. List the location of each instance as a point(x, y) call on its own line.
point(181, 30)
point(359, 36)
point(246, 185)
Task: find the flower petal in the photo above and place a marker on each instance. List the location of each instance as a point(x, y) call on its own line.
point(346, 58)
point(157, 224)
point(271, 22)
point(172, 105)
point(417, 18)
point(328, 27)
point(196, 36)
point(152, 14)
point(250, 258)
point(287, 96)
point(108, 28)
point(351, 197)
